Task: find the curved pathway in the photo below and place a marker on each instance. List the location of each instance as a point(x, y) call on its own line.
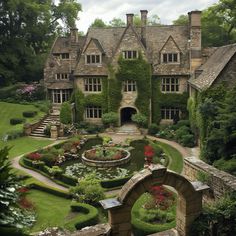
point(117, 138)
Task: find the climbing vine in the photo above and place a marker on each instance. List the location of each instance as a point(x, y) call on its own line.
point(160, 99)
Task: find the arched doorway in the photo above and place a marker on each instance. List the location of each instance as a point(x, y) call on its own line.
point(189, 202)
point(126, 114)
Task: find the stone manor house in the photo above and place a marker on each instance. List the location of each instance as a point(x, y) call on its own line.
point(82, 63)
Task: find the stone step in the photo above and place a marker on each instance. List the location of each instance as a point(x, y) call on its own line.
point(38, 135)
point(37, 132)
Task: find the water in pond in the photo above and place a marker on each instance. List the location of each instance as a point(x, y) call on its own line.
point(78, 169)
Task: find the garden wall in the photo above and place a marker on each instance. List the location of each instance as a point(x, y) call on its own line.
point(220, 182)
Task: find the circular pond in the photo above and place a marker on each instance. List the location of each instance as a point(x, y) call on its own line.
point(105, 156)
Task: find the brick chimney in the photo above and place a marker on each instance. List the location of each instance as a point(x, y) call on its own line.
point(130, 19)
point(143, 25)
point(195, 42)
point(74, 35)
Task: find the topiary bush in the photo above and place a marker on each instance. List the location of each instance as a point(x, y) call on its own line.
point(188, 140)
point(15, 121)
point(29, 114)
point(139, 119)
point(65, 113)
point(153, 129)
point(110, 118)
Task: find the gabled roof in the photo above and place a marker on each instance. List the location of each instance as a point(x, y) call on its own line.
point(212, 68)
point(97, 43)
point(170, 38)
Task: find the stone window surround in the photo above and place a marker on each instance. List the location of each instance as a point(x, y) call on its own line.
point(168, 113)
point(130, 54)
point(93, 112)
point(61, 76)
point(169, 85)
point(170, 58)
point(92, 84)
point(62, 56)
point(60, 95)
point(129, 86)
point(96, 57)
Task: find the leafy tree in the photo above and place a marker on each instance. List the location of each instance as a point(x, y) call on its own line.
point(65, 113)
point(98, 23)
point(116, 22)
point(182, 20)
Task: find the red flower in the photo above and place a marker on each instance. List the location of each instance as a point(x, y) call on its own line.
point(148, 151)
point(25, 203)
point(23, 190)
point(34, 156)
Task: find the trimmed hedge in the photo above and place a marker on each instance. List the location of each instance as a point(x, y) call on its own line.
point(15, 121)
point(111, 183)
point(81, 221)
point(14, 134)
point(11, 231)
point(29, 114)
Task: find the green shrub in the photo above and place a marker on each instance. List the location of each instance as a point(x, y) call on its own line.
point(10, 231)
point(187, 140)
point(110, 118)
point(89, 190)
point(55, 171)
point(182, 123)
point(90, 217)
point(47, 130)
point(226, 165)
point(139, 119)
point(111, 183)
point(68, 180)
point(14, 134)
point(94, 129)
point(49, 159)
point(184, 130)
point(65, 113)
point(15, 121)
point(153, 129)
point(29, 114)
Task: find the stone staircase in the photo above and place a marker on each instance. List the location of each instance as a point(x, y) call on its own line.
point(39, 132)
point(128, 129)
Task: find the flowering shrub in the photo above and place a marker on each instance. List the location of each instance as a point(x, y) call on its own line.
point(163, 199)
point(30, 92)
point(34, 156)
point(26, 203)
point(148, 153)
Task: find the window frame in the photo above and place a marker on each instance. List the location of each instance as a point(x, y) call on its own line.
point(93, 112)
point(129, 86)
point(168, 113)
point(168, 83)
point(129, 54)
point(62, 76)
point(169, 57)
point(92, 85)
point(93, 59)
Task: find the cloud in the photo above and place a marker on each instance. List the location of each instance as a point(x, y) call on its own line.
point(167, 10)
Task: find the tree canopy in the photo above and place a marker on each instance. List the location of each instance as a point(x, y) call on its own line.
point(27, 28)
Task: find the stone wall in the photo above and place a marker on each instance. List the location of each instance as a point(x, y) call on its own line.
point(220, 182)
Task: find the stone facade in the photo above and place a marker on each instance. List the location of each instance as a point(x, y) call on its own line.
point(167, 49)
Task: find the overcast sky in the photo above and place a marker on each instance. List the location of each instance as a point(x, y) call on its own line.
point(167, 10)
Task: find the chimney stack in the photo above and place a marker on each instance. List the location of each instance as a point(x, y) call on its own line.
point(195, 42)
point(74, 35)
point(143, 25)
point(130, 19)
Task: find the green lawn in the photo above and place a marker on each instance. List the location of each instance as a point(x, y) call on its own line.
point(24, 145)
point(51, 210)
point(11, 110)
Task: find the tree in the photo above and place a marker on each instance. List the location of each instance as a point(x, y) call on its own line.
point(181, 20)
point(98, 23)
point(10, 214)
point(27, 29)
point(116, 22)
point(110, 118)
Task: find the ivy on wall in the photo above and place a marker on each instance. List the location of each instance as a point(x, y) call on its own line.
point(160, 99)
point(138, 70)
point(81, 101)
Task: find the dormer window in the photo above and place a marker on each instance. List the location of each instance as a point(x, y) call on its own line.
point(93, 59)
point(59, 76)
point(130, 54)
point(63, 56)
point(170, 57)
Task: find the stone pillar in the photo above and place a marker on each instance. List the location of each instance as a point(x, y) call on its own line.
point(143, 26)
point(120, 221)
point(187, 211)
point(54, 132)
point(27, 129)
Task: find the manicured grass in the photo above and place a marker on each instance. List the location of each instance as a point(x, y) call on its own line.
point(11, 110)
point(51, 210)
point(176, 159)
point(24, 145)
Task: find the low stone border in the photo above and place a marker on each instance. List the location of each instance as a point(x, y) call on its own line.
point(111, 163)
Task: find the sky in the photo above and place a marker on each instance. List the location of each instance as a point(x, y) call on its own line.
point(167, 10)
